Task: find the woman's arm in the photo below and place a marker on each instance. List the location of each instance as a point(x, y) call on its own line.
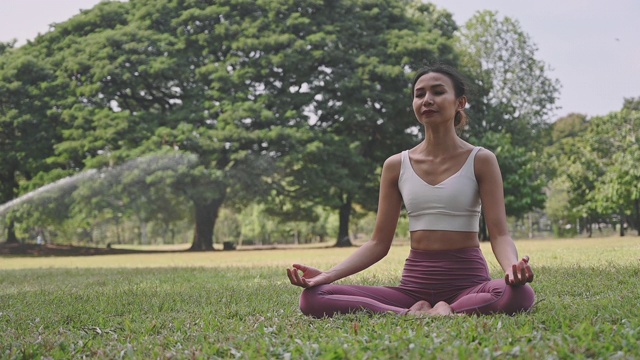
point(490, 183)
point(389, 206)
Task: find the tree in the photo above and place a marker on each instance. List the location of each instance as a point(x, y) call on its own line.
point(239, 84)
point(592, 168)
point(631, 104)
point(6, 46)
point(563, 134)
point(558, 206)
point(617, 142)
point(28, 122)
point(361, 98)
point(512, 92)
point(569, 126)
point(342, 65)
point(511, 100)
point(138, 85)
point(523, 186)
point(594, 164)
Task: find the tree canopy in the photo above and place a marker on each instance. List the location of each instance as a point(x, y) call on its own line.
point(237, 83)
point(512, 90)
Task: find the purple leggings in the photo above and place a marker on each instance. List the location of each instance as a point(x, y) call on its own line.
point(458, 277)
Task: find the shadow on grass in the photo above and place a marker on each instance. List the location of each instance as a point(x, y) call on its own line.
point(35, 250)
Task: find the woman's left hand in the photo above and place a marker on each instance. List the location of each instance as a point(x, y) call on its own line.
point(520, 273)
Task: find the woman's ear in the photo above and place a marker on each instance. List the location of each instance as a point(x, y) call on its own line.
point(462, 103)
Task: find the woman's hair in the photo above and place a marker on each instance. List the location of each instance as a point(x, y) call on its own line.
point(459, 87)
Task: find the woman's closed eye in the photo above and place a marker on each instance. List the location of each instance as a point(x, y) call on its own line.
point(420, 95)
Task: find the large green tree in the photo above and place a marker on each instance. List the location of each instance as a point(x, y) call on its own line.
point(239, 84)
point(568, 181)
point(190, 76)
point(344, 66)
point(615, 139)
point(361, 98)
point(512, 90)
point(511, 100)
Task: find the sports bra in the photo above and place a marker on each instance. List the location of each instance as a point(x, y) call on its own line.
point(454, 204)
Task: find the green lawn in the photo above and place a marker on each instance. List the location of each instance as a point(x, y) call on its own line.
point(240, 305)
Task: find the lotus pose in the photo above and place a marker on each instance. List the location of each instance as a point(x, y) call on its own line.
point(442, 182)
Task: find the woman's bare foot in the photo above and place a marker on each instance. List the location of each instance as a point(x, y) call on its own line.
point(420, 308)
point(441, 309)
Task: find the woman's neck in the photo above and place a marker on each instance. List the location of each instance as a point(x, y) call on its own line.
point(441, 141)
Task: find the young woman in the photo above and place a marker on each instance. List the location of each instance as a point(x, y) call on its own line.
point(442, 183)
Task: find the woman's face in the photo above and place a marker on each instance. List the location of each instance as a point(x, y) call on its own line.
point(434, 99)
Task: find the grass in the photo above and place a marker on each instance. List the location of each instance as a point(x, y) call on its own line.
point(240, 305)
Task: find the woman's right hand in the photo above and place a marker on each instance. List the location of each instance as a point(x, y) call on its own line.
point(310, 276)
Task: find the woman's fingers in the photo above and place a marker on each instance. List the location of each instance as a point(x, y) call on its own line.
point(299, 279)
point(517, 276)
point(521, 273)
point(293, 276)
point(529, 274)
point(300, 267)
point(296, 279)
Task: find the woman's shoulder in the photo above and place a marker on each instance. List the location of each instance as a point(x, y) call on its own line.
point(393, 163)
point(485, 164)
point(394, 160)
point(485, 156)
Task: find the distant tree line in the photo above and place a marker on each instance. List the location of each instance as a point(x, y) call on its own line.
point(278, 116)
point(592, 171)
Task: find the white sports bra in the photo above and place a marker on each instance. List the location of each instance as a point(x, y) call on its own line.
point(453, 204)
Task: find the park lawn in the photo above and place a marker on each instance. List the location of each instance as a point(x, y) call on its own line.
point(239, 304)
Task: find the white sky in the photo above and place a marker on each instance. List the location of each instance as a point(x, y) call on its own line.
point(593, 46)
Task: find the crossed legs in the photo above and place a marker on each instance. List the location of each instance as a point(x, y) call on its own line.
point(493, 296)
point(328, 300)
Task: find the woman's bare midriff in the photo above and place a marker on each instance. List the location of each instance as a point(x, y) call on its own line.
point(443, 240)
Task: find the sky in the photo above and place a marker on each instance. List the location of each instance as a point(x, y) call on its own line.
point(591, 46)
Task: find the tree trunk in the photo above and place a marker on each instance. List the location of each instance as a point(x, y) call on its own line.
point(621, 224)
point(144, 237)
point(118, 236)
point(343, 231)
point(206, 215)
point(483, 234)
point(8, 192)
point(11, 233)
point(636, 216)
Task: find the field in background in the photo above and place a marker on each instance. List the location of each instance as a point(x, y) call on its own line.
point(239, 304)
point(567, 252)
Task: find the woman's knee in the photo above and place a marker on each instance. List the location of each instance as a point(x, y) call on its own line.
point(309, 300)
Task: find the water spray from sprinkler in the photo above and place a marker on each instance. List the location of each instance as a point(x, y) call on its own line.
point(145, 165)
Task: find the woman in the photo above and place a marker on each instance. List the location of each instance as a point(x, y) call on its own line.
point(442, 182)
